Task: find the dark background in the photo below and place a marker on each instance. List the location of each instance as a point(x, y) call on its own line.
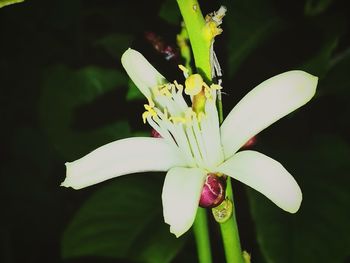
point(64, 93)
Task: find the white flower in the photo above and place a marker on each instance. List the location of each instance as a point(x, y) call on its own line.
point(194, 144)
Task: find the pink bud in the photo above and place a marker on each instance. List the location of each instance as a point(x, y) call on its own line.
point(213, 192)
point(250, 143)
point(155, 134)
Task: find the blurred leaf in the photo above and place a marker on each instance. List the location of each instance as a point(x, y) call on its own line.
point(169, 11)
point(331, 29)
point(115, 44)
point(315, 7)
point(318, 232)
point(319, 64)
point(9, 2)
point(337, 80)
point(133, 92)
point(248, 24)
point(123, 220)
point(64, 91)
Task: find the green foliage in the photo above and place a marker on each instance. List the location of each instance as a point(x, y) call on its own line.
point(9, 2)
point(115, 44)
point(248, 25)
point(123, 220)
point(133, 92)
point(319, 231)
point(64, 91)
point(169, 11)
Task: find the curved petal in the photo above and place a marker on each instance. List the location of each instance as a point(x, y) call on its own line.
point(141, 72)
point(265, 104)
point(122, 157)
point(265, 175)
point(181, 193)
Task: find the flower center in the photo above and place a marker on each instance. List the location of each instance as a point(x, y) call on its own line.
point(196, 134)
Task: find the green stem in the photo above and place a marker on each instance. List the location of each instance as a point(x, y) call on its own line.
point(229, 232)
point(201, 40)
point(196, 28)
point(201, 233)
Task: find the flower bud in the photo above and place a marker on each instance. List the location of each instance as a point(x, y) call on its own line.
point(250, 143)
point(213, 192)
point(155, 134)
point(223, 212)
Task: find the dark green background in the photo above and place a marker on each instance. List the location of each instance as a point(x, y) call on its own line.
point(64, 93)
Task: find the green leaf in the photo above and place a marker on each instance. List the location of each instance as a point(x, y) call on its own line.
point(115, 44)
point(169, 11)
point(337, 80)
point(319, 231)
point(316, 7)
point(248, 24)
point(133, 92)
point(65, 91)
point(9, 2)
point(123, 220)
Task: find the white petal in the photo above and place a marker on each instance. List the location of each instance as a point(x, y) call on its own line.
point(181, 193)
point(122, 157)
point(141, 72)
point(265, 104)
point(265, 175)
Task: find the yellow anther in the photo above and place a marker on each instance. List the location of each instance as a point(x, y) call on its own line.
point(194, 84)
point(149, 111)
point(211, 30)
point(213, 22)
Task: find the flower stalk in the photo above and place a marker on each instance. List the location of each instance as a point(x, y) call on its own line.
point(195, 24)
point(201, 40)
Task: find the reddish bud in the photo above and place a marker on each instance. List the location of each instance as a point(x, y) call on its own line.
point(155, 134)
point(250, 143)
point(213, 192)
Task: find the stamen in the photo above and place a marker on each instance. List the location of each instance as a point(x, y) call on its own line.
point(184, 70)
point(194, 147)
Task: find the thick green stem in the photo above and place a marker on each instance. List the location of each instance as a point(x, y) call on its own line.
point(229, 232)
point(201, 40)
point(197, 32)
point(201, 233)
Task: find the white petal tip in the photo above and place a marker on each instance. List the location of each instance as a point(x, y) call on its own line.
point(294, 206)
point(177, 232)
point(141, 72)
point(66, 182)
